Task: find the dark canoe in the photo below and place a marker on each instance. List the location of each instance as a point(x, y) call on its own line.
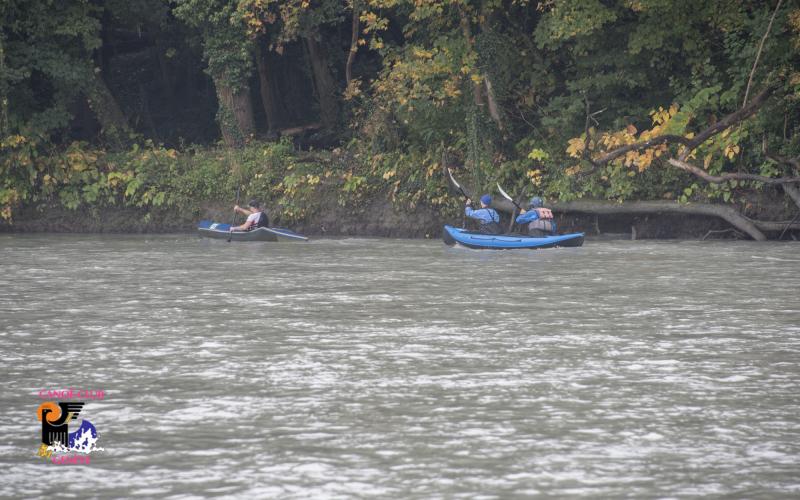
point(219, 230)
point(472, 239)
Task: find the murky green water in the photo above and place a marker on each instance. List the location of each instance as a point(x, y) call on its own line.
point(401, 368)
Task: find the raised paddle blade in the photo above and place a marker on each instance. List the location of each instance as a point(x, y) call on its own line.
point(506, 196)
point(456, 184)
point(453, 180)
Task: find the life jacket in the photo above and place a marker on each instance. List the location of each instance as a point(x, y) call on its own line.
point(263, 221)
point(492, 227)
point(546, 225)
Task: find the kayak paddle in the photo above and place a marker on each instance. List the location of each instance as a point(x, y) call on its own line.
point(506, 196)
point(456, 184)
point(233, 221)
point(461, 190)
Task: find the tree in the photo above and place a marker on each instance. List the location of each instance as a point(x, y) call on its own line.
point(47, 64)
point(229, 52)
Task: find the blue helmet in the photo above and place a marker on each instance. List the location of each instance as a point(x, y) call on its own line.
point(536, 202)
point(486, 199)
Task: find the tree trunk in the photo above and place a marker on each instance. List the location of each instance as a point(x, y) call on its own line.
point(3, 97)
point(351, 56)
point(235, 113)
point(167, 81)
point(324, 83)
point(494, 110)
point(793, 192)
point(113, 122)
point(466, 30)
point(266, 88)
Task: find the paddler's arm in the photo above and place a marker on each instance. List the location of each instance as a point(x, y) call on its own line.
point(527, 216)
point(468, 210)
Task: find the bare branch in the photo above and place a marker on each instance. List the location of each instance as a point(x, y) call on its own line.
point(589, 116)
point(758, 53)
point(789, 225)
point(794, 162)
point(722, 231)
point(725, 212)
point(775, 226)
point(718, 179)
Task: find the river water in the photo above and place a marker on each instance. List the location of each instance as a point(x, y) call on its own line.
point(403, 368)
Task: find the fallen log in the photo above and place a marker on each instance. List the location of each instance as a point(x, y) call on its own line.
point(727, 213)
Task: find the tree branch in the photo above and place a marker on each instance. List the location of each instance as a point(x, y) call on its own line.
point(794, 162)
point(718, 179)
point(727, 213)
point(661, 139)
point(732, 119)
point(758, 53)
point(691, 144)
point(585, 153)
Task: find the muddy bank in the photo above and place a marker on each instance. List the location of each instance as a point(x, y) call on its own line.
point(378, 218)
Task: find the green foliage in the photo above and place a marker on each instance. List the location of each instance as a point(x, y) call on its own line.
point(504, 87)
point(145, 176)
point(227, 47)
point(46, 60)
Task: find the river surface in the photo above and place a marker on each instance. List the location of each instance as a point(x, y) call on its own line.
point(403, 368)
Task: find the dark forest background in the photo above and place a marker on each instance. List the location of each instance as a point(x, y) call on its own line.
point(153, 103)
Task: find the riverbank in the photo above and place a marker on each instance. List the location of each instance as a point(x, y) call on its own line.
point(153, 189)
point(379, 218)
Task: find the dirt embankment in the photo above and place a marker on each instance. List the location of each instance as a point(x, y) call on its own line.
point(377, 218)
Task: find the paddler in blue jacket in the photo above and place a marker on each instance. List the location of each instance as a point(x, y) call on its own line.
point(537, 220)
point(488, 218)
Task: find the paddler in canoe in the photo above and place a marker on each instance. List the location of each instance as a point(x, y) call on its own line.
point(487, 217)
point(537, 220)
point(256, 217)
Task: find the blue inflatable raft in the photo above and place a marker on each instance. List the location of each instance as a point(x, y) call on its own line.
point(219, 230)
point(453, 235)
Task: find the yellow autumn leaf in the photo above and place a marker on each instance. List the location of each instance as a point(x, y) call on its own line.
point(575, 147)
point(731, 150)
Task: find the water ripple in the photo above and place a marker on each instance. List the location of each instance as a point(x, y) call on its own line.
point(405, 369)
